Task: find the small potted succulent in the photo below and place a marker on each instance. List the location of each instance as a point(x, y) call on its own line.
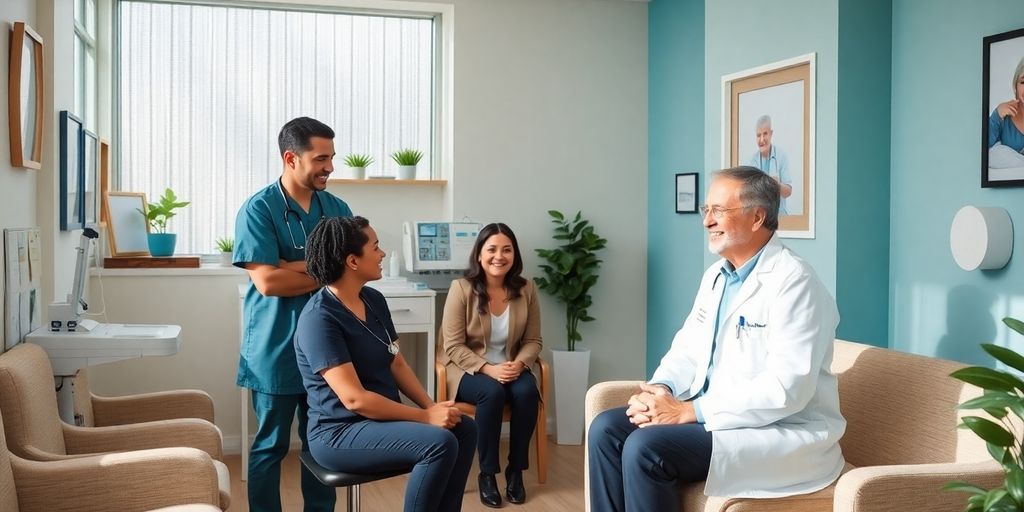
point(357, 164)
point(161, 243)
point(407, 160)
point(226, 246)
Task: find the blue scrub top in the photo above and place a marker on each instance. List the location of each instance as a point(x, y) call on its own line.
point(266, 362)
point(328, 335)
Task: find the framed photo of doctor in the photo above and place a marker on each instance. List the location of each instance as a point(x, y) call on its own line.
point(1002, 110)
point(768, 123)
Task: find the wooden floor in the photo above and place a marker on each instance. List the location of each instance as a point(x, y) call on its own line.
point(563, 490)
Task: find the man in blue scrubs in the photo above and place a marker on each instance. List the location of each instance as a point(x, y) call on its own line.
point(270, 240)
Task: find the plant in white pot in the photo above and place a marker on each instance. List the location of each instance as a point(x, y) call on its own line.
point(226, 246)
point(407, 160)
point(157, 214)
point(570, 271)
point(357, 164)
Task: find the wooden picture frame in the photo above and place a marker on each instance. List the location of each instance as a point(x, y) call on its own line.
point(127, 228)
point(1002, 77)
point(768, 122)
point(72, 156)
point(91, 180)
point(25, 95)
point(687, 192)
point(104, 175)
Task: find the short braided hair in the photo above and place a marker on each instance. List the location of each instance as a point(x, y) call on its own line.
point(330, 243)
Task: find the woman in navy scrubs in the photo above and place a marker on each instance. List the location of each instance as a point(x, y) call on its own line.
point(353, 371)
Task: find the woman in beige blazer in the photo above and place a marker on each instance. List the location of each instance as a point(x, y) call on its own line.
point(491, 338)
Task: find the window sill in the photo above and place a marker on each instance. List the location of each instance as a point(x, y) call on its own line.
point(206, 269)
point(374, 181)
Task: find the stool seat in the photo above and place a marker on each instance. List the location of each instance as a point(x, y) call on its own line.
point(350, 480)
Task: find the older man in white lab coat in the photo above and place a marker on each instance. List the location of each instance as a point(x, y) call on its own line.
point(744, 398)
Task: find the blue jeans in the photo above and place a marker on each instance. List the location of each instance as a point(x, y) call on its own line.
point(490, 397)
point(640, 469)
point(274, 415)
point(440, 458)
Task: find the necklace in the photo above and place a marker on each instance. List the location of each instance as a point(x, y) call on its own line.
point(392, 346)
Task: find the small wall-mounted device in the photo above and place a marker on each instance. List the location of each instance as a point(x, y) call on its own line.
point(438, 245)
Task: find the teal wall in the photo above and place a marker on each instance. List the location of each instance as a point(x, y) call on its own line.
point(936, 308)
point(676, 144)
point(862, 203)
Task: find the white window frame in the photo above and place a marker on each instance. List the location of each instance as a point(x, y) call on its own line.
point(81, 77)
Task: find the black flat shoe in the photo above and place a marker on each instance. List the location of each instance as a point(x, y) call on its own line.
point(514, 490)
point(489, 494)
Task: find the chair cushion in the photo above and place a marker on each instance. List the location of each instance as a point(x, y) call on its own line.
point(821, 501)
point(339, 479)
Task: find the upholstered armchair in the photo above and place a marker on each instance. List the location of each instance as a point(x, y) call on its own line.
point(34, 431)
point(100, 411)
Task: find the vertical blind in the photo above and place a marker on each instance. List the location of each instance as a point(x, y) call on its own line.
point(203, 92)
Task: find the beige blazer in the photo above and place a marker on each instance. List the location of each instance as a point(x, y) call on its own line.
point(465, 332)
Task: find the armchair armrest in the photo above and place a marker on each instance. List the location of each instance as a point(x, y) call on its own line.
point(543, 378)
point(188, 432)
point(911, 487)
point(140, 480)
point(441, 382)
point(605, 395)
point(164, 405)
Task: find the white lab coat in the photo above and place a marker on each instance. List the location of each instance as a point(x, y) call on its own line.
point(772, 404)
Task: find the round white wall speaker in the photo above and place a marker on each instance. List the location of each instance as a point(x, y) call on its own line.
point(981, 238)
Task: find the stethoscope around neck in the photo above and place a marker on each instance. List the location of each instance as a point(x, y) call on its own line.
point(289, 210)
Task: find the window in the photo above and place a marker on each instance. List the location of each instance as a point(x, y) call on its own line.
point(204, 90)
point(85, 62)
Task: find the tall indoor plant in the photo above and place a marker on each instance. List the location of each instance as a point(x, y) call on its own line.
point(157, 214)
point(570, 271)
point(1003, 396)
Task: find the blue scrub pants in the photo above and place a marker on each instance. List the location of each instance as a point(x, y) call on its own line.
point(274, 415)
point(490, 397)
point(440, 458)
point(640, 469)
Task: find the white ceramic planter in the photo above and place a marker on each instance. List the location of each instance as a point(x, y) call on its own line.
point(225, 259)
point(572, 373)
point(356, 173)
point(406, 172)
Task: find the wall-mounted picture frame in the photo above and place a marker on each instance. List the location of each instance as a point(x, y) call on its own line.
point(1002, 110)
point(91, 180)
point(126, 225)
point(768, 122)
point(72, 157)
point(104, 174)
point(687, 192)
point(25, 88)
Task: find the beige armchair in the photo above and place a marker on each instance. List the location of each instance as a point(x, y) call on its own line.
point(34, 431)
point(901, 443)
point(99, 411)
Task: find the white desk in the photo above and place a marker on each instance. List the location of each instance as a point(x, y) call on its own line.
point(411, 310)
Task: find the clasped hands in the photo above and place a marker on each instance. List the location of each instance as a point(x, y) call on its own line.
point(505, 372)
point(655, 405)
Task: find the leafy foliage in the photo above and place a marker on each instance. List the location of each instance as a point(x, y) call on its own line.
point(571, 270)
point(358, 160)
point(407, 157)
point(1003, 395)
point(157, 214)
point(226, 244)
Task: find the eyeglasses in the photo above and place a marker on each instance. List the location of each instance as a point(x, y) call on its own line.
point(717, 211)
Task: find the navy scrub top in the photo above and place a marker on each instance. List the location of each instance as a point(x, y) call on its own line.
point(267, 359)
point(328, 335)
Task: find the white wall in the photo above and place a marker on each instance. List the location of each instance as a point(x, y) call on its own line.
point(550, 106)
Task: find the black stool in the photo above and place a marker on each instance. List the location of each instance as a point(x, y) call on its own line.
point(350, 480)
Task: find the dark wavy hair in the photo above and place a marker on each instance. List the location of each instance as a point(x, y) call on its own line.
point(514, 282)
point(330, 243)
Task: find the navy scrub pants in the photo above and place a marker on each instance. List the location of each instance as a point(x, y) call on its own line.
point(640, 469)
point(440, 458)
point(490, 397)
point(274, 414)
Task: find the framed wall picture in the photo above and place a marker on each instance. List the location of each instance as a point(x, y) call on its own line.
point(126, 225)
point(1002, 110)
point(104, 175)
point(25, 97)
point(72, 157)
point(91, 179)
point(768, 123)
point(687, 193)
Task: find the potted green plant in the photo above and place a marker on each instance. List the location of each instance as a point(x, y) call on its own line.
point(1003, 396)
point(357, 164)
point(226, 246)
point(407, 160)
point(570, 271)
point(157, 214)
